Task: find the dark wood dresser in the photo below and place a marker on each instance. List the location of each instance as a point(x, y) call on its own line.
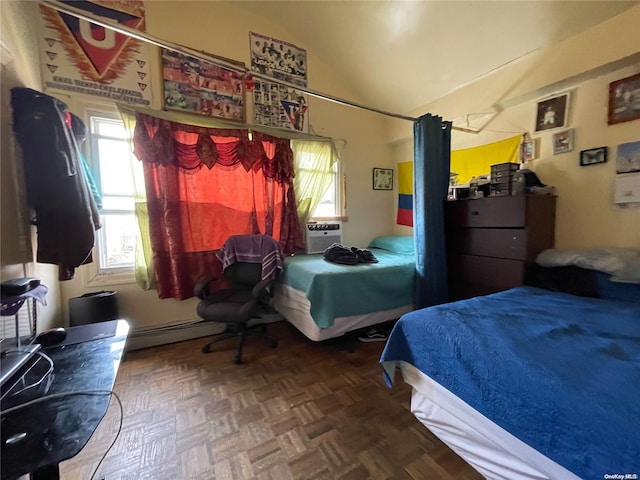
point(491, 240)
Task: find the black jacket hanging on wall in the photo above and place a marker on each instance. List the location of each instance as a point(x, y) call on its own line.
point(65, 212)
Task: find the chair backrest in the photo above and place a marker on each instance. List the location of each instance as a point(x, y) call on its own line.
point(243, 275)
point(260, 249)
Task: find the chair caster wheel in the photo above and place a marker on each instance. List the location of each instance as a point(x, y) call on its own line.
point(273, 343)
point(206, 348)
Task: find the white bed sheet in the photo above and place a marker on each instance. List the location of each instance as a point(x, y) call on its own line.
point(294, 306)
point(487, 447)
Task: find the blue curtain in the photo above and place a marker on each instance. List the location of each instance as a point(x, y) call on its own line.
point(432, 158)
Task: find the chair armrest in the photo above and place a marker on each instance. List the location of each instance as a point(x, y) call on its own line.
point(201, 290)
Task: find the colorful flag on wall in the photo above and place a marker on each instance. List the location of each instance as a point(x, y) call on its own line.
point(405, 194)
point(474, 161)
point(467, 163)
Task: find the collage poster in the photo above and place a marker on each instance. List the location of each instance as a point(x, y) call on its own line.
point(275, 104)
point(84, 58)
point(196, 86)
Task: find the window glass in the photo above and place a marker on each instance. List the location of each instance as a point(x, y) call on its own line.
point(115, 241)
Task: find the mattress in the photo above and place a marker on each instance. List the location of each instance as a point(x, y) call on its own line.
point(295, 307)
point(336, 290)
point(488, 448)
point(559, 372)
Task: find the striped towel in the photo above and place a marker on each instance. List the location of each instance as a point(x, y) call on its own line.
point(253, 249)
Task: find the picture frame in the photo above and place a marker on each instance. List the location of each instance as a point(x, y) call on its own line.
point(528, 150)
point(593, 156)
point(624, 100)
point(383, 179)
point(563, 141)
point(628, 158)
point(205, 88)
point(552, 113)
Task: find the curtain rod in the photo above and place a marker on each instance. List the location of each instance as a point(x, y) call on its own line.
point(208, 57)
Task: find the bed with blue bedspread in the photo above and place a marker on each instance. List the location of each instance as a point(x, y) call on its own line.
point(528, 383)
point(324, 299)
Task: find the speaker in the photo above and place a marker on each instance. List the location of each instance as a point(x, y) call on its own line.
point(93, 308)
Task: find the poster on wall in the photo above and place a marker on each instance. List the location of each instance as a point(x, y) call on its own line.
point(193, 85)
point(277, 59)
point(627, 185)
point(275, 104)
point(80, 57)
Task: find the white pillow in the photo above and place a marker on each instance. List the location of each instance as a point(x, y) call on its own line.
point(608, 260)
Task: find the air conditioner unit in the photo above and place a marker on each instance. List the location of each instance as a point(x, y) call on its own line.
point(321, 235)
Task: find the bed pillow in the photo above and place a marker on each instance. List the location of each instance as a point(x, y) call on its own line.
point(629, 273)
point(396, 243)
point(607, 260)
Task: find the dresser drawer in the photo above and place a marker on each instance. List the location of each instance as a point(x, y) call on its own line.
point(498, 273)
point(508, 243)
point(500, 212)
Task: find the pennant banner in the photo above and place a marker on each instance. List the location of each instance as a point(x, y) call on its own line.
point(80, 57)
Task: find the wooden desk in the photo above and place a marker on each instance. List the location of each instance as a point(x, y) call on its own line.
point(37, 437)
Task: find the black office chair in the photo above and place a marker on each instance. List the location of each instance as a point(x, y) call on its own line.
point(248, 296)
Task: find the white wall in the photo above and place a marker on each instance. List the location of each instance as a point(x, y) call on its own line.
point(16, 237)
point(583, 65)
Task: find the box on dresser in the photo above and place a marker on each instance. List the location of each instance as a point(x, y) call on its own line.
point(491, 240)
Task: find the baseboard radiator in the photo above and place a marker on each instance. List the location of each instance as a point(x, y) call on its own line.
point(140, 338)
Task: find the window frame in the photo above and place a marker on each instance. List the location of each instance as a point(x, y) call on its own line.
point(339, 184)
point(99, 275)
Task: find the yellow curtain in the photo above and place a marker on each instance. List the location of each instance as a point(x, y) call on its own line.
point(144, 271)
point(313, 162)
point(471, 162)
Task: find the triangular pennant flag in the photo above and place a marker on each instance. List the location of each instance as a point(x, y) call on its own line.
point(142, 86)
point(141, 75)
point(141, 63)
point(295, 113)
point(50, 41)
point(51, 55)
point(100, 45)
point(52, 68)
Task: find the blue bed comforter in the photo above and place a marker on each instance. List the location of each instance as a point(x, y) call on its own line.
point(336, 290)
point(560, 372)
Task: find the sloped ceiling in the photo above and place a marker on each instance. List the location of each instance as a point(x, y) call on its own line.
point(400, 55)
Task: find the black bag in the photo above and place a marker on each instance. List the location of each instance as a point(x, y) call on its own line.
point(337, 253)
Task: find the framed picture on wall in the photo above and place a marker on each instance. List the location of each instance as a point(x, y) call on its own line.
point(624, 100)
point(552, 112)
point(593, 156)
point(563, 141)
point(195, 86)
point(528, 150)
point(382, 179)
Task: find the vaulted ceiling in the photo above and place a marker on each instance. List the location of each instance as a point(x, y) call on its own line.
point(399, 55)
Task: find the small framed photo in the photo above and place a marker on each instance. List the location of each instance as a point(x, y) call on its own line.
point(383, 179)
point(624, 99)
point(552, 113)
point(528, 150)
point(563, 141)
point(593, 156)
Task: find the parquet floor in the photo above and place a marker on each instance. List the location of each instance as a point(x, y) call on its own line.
point(304, 410)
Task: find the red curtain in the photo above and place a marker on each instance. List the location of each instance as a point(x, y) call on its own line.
point(205, 184)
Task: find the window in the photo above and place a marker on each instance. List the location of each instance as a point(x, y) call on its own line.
point(317, 180)
point(329, 205)
point(109, 151)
